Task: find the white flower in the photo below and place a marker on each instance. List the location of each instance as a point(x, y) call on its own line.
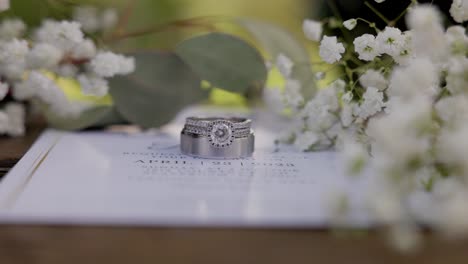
point(457, 75)
point(459, 10)
point(108, 19)
point(372, 104)
point(401, 137)
point(373, 78)
point(16, 119)
point(420, 77)
point(312, 29)
point(451, 147)
point(331, 49)
point(406, 53)
point(347, 97)
point(455, 214)
point(427, 33)
point(390, 41)
point(108, 64)
point(41, 87)
point(292, 93)
point(43, 55)
point(12, 58)
point(273, 98)
point(347, 114)
point(366, 46)
point(3, 90)
point(321, 111)
point(350, 24)
point(93, 85)
point(13, 50)
point(423, 16)
point(453, 110)
point(93, 20)
point(87, 16)
point(457, 39)
point(304, 141)
point(11, 28)
point(319, 75)
point(64, 34)
point(4, 5)
point(285, 65)
point(379, 1)
point(84, 50)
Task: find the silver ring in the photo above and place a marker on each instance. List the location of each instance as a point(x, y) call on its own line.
point(220, 138)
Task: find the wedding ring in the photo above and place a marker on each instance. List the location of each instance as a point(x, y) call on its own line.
point(219, 138)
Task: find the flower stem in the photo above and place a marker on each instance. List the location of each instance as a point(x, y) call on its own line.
point(377, 12)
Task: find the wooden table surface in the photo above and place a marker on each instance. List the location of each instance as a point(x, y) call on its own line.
point(75, 244)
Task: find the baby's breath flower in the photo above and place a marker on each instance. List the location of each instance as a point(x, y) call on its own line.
point(16, 113)
point(93, 85)
point(108, 64)
point(390, 41)
point(304, 141)
point(285, 65)
point(93, 20)
point(372, 104)
point(331, 49)
point(350, 24)
point(420, 77)
point(87, 16)
point(11, 28)
point(459, 10)
point(312, 29)
point(84, 50)
point(292, 93)
point(367, 47)
point(457, 75)
point(43, 55)
point(273, 98)
point(373, 78)
point(108, 19)
point(64, 34)
point(12, 58)
point(319, 75)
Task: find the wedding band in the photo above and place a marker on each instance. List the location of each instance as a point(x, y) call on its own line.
point(219, 138)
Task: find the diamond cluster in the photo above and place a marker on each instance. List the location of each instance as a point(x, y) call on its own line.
point(221, 133)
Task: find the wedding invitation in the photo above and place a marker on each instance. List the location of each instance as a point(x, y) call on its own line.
point(143, 179)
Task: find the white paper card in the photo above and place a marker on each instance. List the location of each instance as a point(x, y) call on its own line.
point(118, 179)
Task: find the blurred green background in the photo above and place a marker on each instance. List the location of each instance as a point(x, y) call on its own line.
point(147, 13)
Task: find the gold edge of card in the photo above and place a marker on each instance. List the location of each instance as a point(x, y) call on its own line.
point(13, 197)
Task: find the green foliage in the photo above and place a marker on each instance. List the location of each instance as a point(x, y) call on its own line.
point(275, 41)
point(160, 87)
point(225, 61)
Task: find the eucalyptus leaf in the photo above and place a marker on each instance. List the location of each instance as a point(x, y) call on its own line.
point(87, 119)
point(225, 61)
point(160, 87)
point(276, 41)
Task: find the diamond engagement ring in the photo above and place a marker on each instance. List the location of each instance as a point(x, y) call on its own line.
point(221, 138)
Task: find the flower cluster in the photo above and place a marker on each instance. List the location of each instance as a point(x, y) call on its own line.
point(30, 65)
point(403, 100)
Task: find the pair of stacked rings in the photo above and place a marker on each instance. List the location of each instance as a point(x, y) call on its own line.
point(219, 138)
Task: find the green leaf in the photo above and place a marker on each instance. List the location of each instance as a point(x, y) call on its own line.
point(275, 41)
point(160, 87)
point(87, 119)
point(225, 61)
